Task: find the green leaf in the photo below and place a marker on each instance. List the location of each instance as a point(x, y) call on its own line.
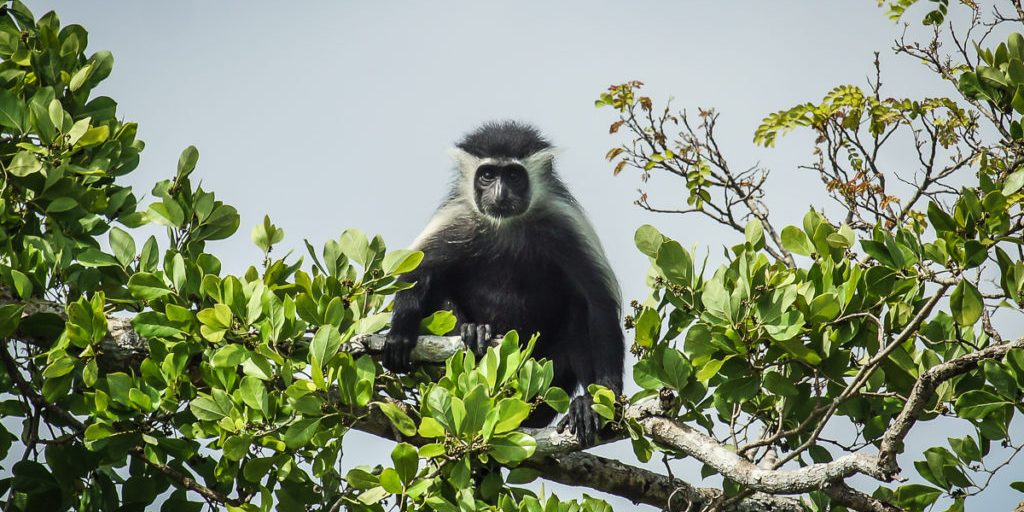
point(152, 324)
point(362, 479)
point(94, 135)
point(12, 111)
point(648, 240)
point(675, 262)
point(206, 409)
point(80, 77)
point(10, 317)
point(754, 233)
point(511, 413)
point(390, 481)
point(557, 398)
point(709, 370)
point(187, 161)
point(512, 447)
point(24, 164)
point(229, 356)
point(254, 393)
point(406, 460)
point(940, 220)
point(123, 246)
point(400, 419)
point(976, 404)
point(795, 241)
point(301, 432)
point(1018, 96)
point(266, 234)
point(438, 323)
point(1013, 182)
point(431, 428)
point(92, 257)
point(966, 303)
point(648, 325)
point(401, 261)
point(146, 286)
point(22, 284)
point(325, 344)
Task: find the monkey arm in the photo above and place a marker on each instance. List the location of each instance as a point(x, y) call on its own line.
point(410, 307)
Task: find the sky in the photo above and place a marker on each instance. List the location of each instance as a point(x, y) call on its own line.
point(328, 115)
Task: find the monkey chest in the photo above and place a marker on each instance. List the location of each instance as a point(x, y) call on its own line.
point(518, 294)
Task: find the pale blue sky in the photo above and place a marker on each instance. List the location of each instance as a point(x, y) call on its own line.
point(327, 115)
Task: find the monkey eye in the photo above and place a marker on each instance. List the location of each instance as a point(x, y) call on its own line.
point(487, 174)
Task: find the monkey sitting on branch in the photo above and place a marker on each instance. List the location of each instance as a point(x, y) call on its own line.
point(510, 248)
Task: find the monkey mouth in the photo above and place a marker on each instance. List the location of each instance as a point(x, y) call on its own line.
point(504, 210)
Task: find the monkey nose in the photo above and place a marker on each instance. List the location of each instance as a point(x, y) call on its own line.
point(500, 193)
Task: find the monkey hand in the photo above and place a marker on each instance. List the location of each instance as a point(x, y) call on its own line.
point(398, 351)
point(581, 420)
point(477, 338)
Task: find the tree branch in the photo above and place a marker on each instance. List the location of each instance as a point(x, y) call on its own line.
point(922, 392)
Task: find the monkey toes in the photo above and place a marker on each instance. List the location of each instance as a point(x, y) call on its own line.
point(477, 337)
point(581, 420)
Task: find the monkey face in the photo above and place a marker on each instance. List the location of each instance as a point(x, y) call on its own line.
point(502, 191)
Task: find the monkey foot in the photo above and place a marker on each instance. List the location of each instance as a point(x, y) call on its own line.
point(477, 337)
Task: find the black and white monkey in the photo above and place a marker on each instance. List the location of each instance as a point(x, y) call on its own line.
point(510, 248)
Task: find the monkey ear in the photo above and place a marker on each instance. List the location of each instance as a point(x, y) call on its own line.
point(466, 162)
point(542, 159)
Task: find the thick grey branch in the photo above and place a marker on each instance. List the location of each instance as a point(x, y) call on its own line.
point(643, 486)
point(707, 450)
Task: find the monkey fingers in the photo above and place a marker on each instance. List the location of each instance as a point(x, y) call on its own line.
point(476, 337)
point(397, 352)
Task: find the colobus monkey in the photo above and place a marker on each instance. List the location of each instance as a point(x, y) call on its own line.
point(510, 248)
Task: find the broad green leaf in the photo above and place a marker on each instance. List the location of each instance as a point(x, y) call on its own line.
point(146, 286)
point(301, 432)
point(399, 419)
point(406, 461)
point(966, 303)
point(24, 164)
point(12, 111)
point(648, 240)
point(795, 240)
point(401, 261)
point(512, 447)
point(325, 344)
point(438, 323)
point(123, 246)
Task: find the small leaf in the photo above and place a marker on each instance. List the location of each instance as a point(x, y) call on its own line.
point(187, 161)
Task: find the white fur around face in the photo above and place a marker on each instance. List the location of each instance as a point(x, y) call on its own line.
point(537, 166)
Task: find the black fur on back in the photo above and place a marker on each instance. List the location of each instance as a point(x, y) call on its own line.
point(507, 139)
